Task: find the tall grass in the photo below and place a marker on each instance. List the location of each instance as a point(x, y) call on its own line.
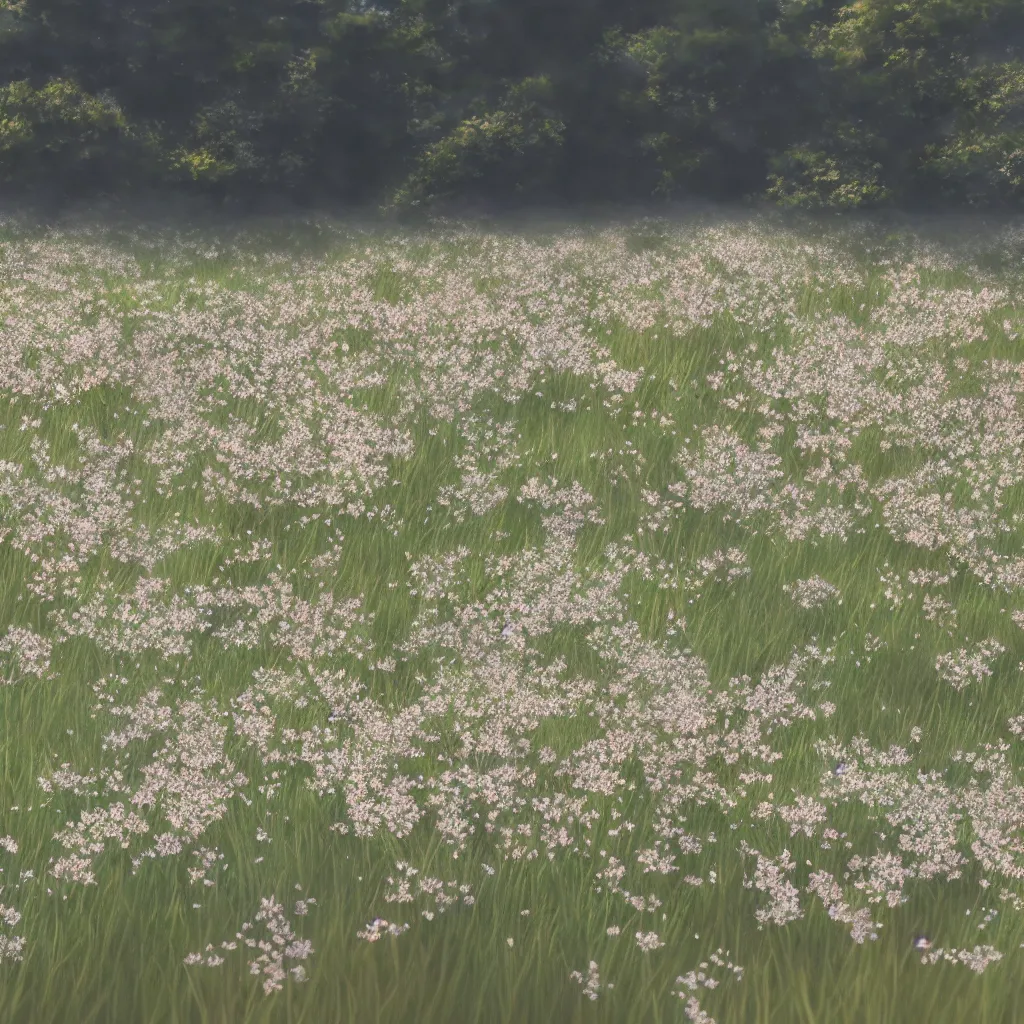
point(576, 623)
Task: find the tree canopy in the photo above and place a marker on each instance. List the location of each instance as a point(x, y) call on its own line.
point(411, 103)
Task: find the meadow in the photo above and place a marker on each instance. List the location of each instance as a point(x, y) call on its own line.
point(571, 622)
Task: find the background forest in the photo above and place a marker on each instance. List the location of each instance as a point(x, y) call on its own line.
point(407, 104)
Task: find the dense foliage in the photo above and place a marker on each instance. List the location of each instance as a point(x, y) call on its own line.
point(407, 103)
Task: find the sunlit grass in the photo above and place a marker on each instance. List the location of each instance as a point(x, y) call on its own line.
point(499, 543)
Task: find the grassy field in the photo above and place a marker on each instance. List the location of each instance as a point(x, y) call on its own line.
point(450, 624)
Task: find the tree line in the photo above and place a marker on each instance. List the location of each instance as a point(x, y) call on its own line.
point(406, 104)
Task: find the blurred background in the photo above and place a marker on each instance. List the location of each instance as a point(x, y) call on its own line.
point(405, 106)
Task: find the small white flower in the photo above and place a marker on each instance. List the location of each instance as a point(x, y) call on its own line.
point(648, 941)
